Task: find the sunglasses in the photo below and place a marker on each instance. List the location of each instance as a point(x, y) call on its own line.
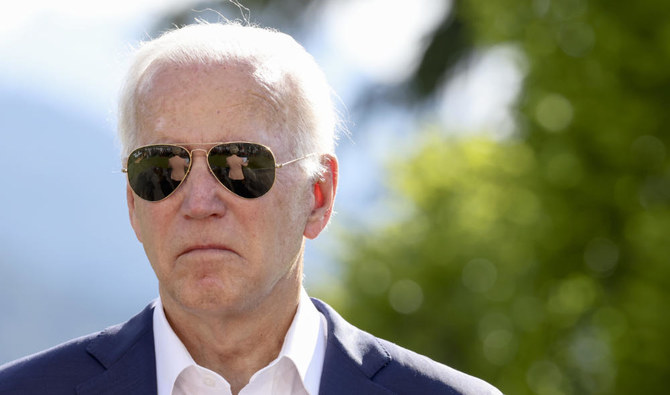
point(245, 169)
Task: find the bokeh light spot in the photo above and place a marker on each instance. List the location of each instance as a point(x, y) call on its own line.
point(479, 275)
point(572, 296)
point(649, 151)
point(554, 112)
point(545, 378)
point(601, 255)
point(576, 39)
point(405, 296)
point(500, 346)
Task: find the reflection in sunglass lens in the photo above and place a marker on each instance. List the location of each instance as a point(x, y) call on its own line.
point(246, 169)
point(154, 172)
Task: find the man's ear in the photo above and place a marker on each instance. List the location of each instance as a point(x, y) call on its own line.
point(130, 199)
point(324, 189)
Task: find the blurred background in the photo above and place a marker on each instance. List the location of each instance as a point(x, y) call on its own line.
point(503, 205)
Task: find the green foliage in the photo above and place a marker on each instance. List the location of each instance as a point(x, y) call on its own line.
point(539, 263)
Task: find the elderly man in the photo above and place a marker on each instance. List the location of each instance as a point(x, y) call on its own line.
point(228, 131)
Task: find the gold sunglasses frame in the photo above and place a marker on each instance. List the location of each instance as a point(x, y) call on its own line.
point(207, 152)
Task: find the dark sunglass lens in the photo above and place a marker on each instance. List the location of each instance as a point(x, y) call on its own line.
point(246, 169)
point(154, 172)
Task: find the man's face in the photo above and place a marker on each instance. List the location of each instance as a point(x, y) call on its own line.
point(213, 251)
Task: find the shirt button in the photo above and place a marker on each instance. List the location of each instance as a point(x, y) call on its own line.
point(209, 381)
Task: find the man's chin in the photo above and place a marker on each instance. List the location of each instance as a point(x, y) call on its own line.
point(208, 296)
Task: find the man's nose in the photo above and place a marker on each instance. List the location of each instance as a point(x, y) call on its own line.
point(203, 193)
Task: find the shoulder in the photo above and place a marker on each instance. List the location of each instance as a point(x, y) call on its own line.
point(408, 366)
point(353, 354)
point(61, 368)
point(57, 368)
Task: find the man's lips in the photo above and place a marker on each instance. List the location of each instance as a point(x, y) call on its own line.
point(206, 248)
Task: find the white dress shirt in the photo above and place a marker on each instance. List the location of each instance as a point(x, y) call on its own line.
point(296, 370)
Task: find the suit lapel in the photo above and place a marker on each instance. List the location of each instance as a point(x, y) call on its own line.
point(352, 359)
point(127, 353)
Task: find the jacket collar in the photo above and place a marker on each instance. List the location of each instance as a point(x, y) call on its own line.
point(127, 352)
point(353, 357)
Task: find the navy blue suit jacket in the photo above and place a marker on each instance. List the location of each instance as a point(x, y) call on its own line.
point(121, 360)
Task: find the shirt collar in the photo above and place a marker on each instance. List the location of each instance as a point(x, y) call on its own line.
point(171, 355)
point(304, 345)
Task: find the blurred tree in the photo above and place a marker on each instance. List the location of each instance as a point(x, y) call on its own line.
point(538, 263)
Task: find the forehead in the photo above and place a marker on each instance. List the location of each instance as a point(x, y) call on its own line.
point(206, 103)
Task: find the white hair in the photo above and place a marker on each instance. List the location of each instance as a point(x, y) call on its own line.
point(278, 62)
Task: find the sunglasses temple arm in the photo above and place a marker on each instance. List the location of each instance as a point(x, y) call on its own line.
point(280, 165)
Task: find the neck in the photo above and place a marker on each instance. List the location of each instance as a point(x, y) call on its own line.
point(238, 344)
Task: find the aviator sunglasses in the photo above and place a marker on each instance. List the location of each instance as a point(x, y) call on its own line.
point(245, 169)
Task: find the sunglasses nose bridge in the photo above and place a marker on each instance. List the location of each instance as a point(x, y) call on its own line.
point(205, 153)
point(195, 167)
point(194, 155)
point(198, 149)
